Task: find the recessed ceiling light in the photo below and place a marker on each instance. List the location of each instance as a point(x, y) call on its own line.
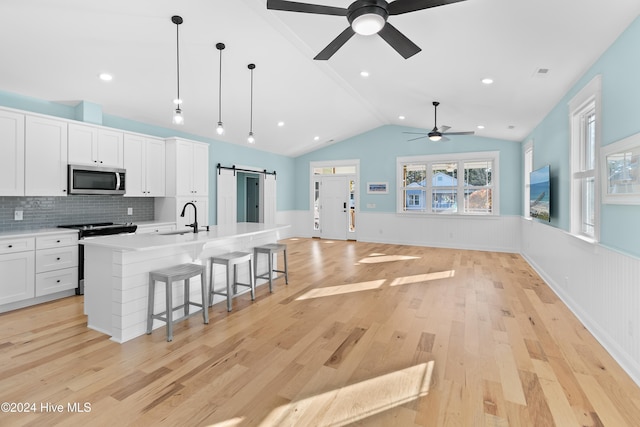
point(280, 124)
point(316, 138)
point(487, 80)
point(401, 117)
point(364, 73)
point(105, 77)
point(480, 127)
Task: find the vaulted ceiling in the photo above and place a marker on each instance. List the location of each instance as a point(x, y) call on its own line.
point(55, 50)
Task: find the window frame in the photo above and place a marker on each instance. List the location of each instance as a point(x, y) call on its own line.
point(460, 159)
point(586, 100)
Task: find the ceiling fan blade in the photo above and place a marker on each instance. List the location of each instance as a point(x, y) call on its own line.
point(292, 6)
point(420, 137)
point(398, 41)
point(399, 7)
point(444, 128)
point(416, 133)
point(444, 139)
point(336, 44)
point(459, 133)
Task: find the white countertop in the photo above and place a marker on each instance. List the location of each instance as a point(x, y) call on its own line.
point(143, 242)
point(35, 232)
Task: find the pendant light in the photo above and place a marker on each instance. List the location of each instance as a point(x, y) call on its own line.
point(178, 119)
point(251, 139)
point(220, 128)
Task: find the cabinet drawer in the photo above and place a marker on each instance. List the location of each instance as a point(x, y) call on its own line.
point(56, 240)
point(158, 229)
point(9, 246)
point(56, 281)
point(56, 258)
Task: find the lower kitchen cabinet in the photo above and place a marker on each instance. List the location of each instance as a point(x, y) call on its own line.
point(17, 271)
point(33, 268)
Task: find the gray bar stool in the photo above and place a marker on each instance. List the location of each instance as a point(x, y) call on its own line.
point(271, 249)
point(232, 259)
point(182, 272)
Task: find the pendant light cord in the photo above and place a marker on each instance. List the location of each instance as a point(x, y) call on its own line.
point(251, 109)
point(178, 56)
point(220, 88)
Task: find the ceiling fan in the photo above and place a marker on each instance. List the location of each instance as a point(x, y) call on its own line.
point(437, 134)
point(366, 17)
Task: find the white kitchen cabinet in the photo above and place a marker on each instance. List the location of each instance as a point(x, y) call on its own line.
point(12, 158)
point(17, 260)
point(45, 157)
point(169, 208)
point(92, 145)
point(187, 168)
point(155, 228)
point(144, 160)
point(56, 263)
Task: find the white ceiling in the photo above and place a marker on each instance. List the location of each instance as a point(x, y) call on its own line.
point(54, 50)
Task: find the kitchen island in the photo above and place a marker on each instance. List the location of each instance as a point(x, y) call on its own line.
point(117, 270)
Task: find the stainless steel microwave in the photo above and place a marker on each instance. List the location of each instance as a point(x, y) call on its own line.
point(96, 180)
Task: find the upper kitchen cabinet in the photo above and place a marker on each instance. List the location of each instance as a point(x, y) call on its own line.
point(12, 149)
point(144, 160)
point(91, 145)
point(187, 168)
point(45, 157)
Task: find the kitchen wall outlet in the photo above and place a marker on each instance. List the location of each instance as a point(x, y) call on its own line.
point(17, 214)
point(129, 211)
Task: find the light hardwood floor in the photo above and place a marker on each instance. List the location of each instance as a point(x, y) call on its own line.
point(364, 334)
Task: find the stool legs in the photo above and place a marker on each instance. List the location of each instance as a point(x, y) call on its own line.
point(150, 304)
point(229, 283)
point(229, 261)
point(286, 270)
point(169, 301)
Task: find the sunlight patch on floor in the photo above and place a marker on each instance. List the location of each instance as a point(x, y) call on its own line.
point(349, 404)
point(233, 422)
point(341, 289)
point(386, 258)
point(407, 280)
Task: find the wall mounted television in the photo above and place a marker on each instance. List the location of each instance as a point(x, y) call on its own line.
point(540, 194)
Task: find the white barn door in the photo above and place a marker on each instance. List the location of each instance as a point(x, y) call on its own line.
point(227, 197)
point(268, 201)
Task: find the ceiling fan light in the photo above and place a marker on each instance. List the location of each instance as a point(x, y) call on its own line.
point(368, 24)
point(251, 139)
point(435, 137)
point(220, 129)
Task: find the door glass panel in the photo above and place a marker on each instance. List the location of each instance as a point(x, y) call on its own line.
point(316, 206)
point(352, 205)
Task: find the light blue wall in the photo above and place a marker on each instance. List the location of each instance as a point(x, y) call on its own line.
point(377, 151)
point(219, 152)
point(620, 70)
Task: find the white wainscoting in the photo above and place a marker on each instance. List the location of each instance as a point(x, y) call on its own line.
point(499, 234)
point(600, 286)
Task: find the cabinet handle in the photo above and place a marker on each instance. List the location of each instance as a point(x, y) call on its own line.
point(58, 281)
point(58, 259)
point(57, 241)
point(64, 191)
point(10, 246)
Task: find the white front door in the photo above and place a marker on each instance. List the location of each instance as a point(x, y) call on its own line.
point(334, 202)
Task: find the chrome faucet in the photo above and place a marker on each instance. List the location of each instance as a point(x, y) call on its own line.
point(195, 216)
